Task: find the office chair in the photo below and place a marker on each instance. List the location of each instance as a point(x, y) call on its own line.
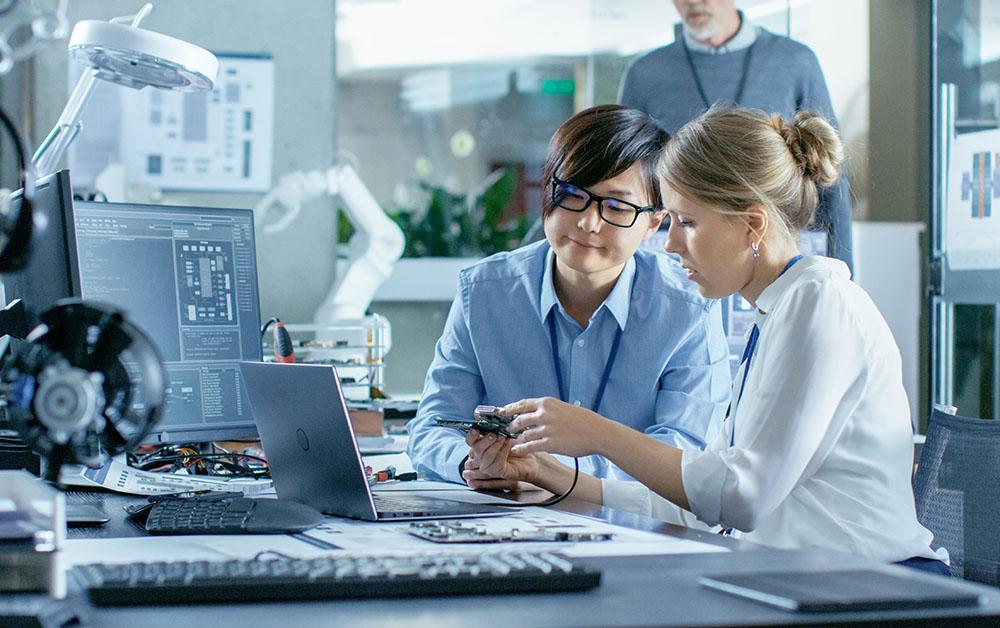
point(957, 491)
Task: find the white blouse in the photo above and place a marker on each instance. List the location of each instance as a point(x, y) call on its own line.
point(823, 448)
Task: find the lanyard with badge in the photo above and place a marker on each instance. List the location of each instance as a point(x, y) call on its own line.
point(748, 355)
point(562, 393)
point(607, 367)
point(697, 79)
point(745, 363)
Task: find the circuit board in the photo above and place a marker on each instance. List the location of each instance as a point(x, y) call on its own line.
point(457, 532)
point(485, 419)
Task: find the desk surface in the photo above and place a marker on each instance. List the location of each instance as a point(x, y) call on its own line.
point(635, 591)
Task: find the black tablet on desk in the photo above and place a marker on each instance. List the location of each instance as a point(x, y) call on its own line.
point(844, 590)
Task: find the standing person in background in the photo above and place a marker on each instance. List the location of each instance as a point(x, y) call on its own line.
point(719, 56)
point(578, 315)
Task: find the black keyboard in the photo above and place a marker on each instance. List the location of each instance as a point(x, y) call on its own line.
point(347, 576)
point(226, 514)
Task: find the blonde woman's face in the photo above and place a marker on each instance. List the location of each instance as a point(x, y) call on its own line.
point(714, 249)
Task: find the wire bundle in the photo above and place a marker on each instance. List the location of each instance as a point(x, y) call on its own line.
point(190, 459)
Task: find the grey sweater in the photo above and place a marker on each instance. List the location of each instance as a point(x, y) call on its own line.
point(783, 77)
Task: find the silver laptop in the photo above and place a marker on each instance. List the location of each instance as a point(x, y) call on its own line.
point(306, 433)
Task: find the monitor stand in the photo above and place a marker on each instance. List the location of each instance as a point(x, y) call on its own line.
point(13, 321)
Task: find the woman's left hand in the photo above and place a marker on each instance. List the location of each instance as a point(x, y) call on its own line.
point(554, 426)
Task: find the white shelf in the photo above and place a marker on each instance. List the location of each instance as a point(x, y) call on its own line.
point(423, 279)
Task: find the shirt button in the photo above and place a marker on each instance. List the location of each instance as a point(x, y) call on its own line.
point(579, 342)
point(577, 403)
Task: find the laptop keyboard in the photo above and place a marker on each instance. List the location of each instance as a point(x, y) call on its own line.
point(284, 578)
point(409, 503)
point(400, 505)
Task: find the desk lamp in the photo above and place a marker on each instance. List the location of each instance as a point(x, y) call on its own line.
point(127, 55)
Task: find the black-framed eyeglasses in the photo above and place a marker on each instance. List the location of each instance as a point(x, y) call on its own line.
point(613, 211)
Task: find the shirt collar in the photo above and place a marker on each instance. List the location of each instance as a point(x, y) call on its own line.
point(617, 302)
point(744, 38)
point(772, 293)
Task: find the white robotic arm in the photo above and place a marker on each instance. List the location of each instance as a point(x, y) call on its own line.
point(373, 249)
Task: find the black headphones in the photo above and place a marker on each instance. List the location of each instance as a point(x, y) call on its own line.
point(15, 231)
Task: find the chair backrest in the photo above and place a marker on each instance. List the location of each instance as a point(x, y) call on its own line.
point(957, 491)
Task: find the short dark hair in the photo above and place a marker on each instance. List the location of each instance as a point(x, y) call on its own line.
point(600, 143)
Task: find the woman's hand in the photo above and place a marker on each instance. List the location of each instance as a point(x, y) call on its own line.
point(547, 424)
point(491, 465)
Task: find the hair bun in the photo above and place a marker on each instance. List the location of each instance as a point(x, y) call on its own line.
point(814, 144)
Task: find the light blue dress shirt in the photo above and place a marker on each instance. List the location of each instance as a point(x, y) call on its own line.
point(670, 379)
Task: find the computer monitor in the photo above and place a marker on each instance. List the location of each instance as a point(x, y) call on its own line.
point(188, 277)
point(50, 273)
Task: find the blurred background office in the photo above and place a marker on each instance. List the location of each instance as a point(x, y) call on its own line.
point(444, 109)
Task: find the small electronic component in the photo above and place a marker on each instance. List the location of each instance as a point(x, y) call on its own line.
point(485, 419)
point(389, 473)
point(284, 350)
point(457, 532)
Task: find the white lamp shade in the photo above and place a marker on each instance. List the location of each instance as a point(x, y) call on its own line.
point(136, 57)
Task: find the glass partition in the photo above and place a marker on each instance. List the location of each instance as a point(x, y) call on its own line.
point(446, 108)
point(964, 281)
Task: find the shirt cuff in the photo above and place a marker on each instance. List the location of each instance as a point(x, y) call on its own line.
point(703, 475)
point(627, 496)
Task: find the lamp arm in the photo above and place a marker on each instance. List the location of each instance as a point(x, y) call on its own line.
point(143, 58)
point(47, 157)
point(51, 150)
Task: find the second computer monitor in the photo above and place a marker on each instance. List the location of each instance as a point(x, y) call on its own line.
point(50, 273)
point(188, 277)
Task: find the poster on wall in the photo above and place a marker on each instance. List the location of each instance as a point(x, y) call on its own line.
point(221, 140)
point(972, 215)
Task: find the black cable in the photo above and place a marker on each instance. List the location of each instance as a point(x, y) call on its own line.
point(14, 252)
point(263, 554)
point(263, 329)
point(221, 460)
point(555, 499)
point(168, 454)
point(551, 501)
point(220, 456)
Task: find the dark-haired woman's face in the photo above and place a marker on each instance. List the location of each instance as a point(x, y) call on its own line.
point(586, 244)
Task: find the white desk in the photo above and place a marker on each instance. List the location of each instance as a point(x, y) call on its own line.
point(635, 591)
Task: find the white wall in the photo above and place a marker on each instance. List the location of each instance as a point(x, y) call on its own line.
point(887, 262)
point(297, 265)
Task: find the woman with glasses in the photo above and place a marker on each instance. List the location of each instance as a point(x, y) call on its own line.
point(817, 448)
point(577, 316)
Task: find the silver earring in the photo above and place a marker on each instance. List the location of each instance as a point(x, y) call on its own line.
point(753, 246)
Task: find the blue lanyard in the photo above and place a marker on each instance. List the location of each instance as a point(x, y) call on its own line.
point(748, 353)
point(607, 367)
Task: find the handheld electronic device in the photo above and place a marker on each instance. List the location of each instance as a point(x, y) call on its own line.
point(486, 419)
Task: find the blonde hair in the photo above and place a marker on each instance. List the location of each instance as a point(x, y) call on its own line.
point(733, 159)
